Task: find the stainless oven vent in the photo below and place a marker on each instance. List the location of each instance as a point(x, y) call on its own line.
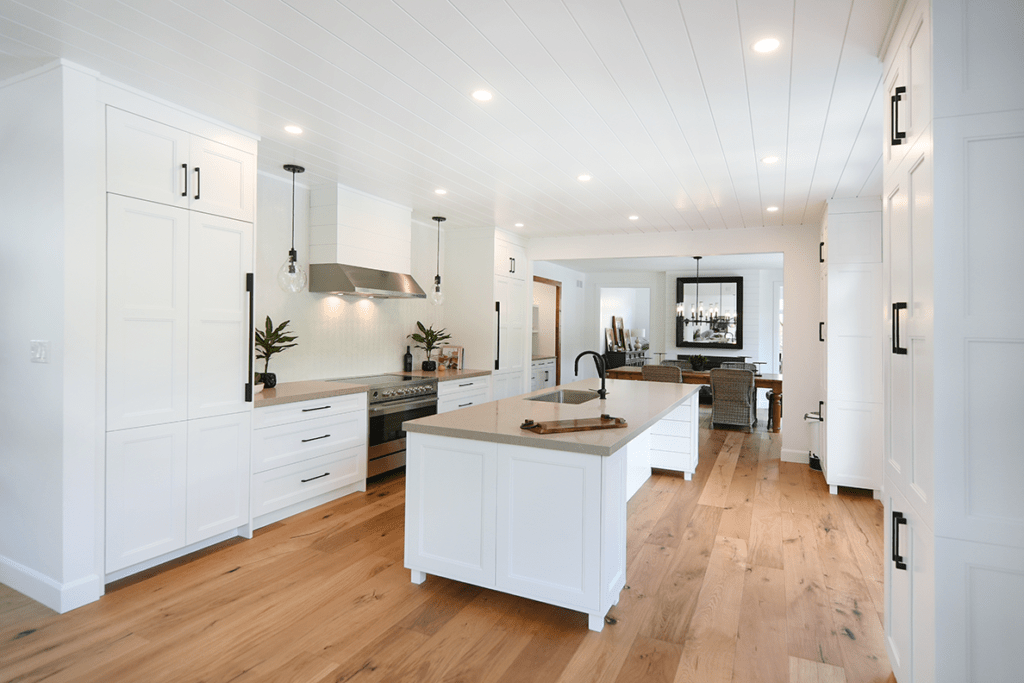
point(336, 278)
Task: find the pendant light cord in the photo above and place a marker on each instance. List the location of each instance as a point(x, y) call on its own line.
point(293, 212)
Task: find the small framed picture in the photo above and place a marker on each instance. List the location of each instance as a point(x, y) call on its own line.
point(609, 339)
point(451, 357)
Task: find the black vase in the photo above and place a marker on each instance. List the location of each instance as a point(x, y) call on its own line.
point(429, 365)
point(269, 380)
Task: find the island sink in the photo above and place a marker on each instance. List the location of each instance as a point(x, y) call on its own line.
point(573, 396)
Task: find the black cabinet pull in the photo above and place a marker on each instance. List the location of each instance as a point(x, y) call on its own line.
point(897, 136)
point(821, 252)
point(315, 438)
point(467, 384)
point(821, 411)
point(896, 308)
point(321, 476)
point(198, 180)
point(821, 332)
point(897, 520)
point(184, 191)
point(497, 344)
point(463, 405)
point(309, 410)
point(249, 287)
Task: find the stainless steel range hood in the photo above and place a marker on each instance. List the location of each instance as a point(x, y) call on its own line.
point(335, 278)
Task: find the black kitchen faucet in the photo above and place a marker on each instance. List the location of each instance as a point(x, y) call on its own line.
point(599, 362)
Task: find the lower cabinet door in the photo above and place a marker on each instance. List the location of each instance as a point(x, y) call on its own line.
point(899, 585)
point(218, 475)
point(145, 493)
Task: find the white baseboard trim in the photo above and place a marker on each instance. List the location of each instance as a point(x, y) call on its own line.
point(792, 455)
point(173, 555)
point(60, 597)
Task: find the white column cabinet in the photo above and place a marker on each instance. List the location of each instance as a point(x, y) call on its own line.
point(952, 467)
point(217, 475)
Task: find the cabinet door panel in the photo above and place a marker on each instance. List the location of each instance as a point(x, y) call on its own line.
point(145, 493)
point(222, 178)
point(145, 159)
point(218, 475)
point(147, 313)
point(899, 615)
point(220, 256)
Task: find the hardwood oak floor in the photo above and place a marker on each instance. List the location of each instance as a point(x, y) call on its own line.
point(751, 572)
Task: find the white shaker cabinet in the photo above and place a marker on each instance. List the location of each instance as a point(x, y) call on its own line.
point(461, 393)
point(160, 163)
point(217, 475)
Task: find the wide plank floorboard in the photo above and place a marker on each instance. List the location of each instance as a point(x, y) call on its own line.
point(750, 572)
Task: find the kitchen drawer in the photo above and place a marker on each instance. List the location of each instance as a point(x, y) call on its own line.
point(465, 386)
point(286, 444)
point(680, 414)
point(307, 410)
point(284, 486)
point(463, 400)
point(672, 428)
point(674, 444)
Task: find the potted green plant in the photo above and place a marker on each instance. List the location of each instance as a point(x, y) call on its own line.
point(271, 341)
point(428, 339)
point(697, 362)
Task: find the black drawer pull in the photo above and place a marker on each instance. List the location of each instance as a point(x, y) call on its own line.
point(317, 477)
point(467, 384)
point(309, 410)
point(897, 520)
point(315, 438)
point(821, 332)
point(463, 405)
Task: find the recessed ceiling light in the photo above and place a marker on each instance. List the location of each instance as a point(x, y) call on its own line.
point(440, 190)
point(482, 95)
point(770, 160)
point(634, 218)
point(766, 45)
point(772, 209)
point(294, 130)
point(583, 177)
point(519, 225)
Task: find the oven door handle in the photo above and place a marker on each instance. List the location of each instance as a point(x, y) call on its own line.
point(402, 406)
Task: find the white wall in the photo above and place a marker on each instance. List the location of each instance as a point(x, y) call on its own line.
point(632, 304)
point(337, 336)
point(51, 289)
point(799, 246)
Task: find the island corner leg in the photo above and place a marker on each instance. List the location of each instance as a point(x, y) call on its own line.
point(595, 622)
point(775, 409)
point(418, 577)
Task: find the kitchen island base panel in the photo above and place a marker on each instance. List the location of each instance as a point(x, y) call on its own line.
point(537, 523)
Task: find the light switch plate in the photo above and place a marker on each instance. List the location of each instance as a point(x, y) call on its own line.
point(40, 350)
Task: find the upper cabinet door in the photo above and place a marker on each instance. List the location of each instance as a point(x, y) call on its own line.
point(146, 159)
point(147, 312)
point(220, 257)
point(221, 180)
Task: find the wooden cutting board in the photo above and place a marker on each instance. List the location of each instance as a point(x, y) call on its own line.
point(585, 424)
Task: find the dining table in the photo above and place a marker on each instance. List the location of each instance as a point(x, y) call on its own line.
point(773, 383)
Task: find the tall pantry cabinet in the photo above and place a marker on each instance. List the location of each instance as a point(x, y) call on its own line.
point(180, 204)
point(953, 171)
point(486, 304)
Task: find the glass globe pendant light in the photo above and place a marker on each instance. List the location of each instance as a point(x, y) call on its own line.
point(291, 276)
point(437, 296)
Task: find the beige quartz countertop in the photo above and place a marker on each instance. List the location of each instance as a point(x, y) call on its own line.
point(640, 403)
point(444, 375)
point(292, 392)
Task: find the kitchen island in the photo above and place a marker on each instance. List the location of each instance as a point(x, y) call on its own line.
point(540, 516)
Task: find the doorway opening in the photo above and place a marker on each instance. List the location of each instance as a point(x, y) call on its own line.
point(546, 335)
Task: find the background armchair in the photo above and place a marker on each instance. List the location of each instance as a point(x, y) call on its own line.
point(733, 397)
point(662, 373)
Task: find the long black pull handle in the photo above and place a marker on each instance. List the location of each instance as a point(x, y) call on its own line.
point(821, 411)
point(249, 287)
point(896, 308)
point(316, 438)
point(184, 190)
point(897, 136)
point(309, 410)
point(821, 252)
point(198, 180)
point(497, 346)
point(821, 331)
point(320, 476)
point(897, 520)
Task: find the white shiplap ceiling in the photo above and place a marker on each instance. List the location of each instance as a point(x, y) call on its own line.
point(663, 102)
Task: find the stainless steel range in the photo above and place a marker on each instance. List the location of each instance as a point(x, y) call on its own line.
point(393, 399)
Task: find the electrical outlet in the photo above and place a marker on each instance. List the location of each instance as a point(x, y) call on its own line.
point(40, 350)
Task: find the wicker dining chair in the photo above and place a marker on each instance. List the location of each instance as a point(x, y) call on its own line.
point(733, 398)
point(740, 366)
point(662, 373)
point(681, 364)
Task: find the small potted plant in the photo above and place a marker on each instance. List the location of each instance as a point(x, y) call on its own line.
point(271, 341)
point(697, 362)
point(428, 339)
